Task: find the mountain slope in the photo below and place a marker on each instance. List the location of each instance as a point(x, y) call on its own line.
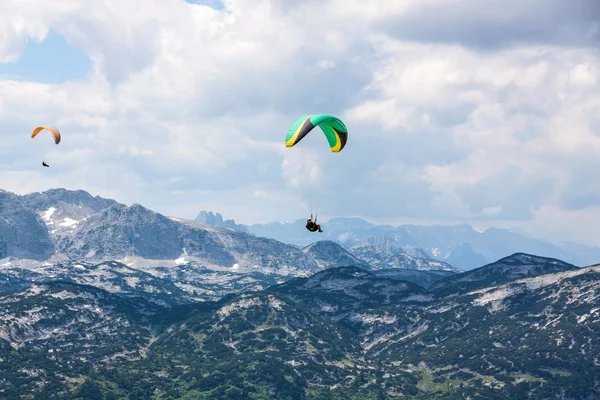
point(336, 292)
point(111, 276)
point(23, 234)
point(460, 245)
point(513, 267)
point(169, 286)
point(97, 229)
point(421, 278)
point(52, 334)
point(536, 337)
point(254, 343)
point(328, 253)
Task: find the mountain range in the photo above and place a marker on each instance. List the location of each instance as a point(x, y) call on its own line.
point(523, 327)
point(65, 224)
point(59, 225)
point(77, 226)
point(83, 239)
point(461, 246)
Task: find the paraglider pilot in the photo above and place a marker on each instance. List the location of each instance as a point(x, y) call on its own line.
point(312, 225)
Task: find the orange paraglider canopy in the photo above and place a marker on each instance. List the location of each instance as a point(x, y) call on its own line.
point(55, 133)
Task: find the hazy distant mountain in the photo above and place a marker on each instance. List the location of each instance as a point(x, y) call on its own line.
point(380, 252)
point(458, 245)
point(383, 252)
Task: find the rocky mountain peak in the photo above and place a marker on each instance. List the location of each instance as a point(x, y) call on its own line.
point(41, 201)
point(209, 218)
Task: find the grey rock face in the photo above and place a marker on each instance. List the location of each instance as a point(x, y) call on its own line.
point(120, 231)
point(23, 234)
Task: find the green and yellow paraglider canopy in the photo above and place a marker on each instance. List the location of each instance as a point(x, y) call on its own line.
point(334, 129)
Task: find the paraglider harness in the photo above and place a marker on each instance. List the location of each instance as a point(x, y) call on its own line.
point(312, 226)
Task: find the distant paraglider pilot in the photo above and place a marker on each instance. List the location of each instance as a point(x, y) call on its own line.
point(55, 135)
point(312, 225)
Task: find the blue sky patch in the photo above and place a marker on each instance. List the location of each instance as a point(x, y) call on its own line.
point(216, 4)
point(50, 61)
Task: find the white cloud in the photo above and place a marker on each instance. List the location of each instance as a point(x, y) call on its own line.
point(187, 107)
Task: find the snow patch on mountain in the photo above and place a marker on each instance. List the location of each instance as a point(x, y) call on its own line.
point(68, 222)
point(46, 215)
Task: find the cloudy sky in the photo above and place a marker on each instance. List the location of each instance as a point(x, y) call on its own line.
point(472, 111)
